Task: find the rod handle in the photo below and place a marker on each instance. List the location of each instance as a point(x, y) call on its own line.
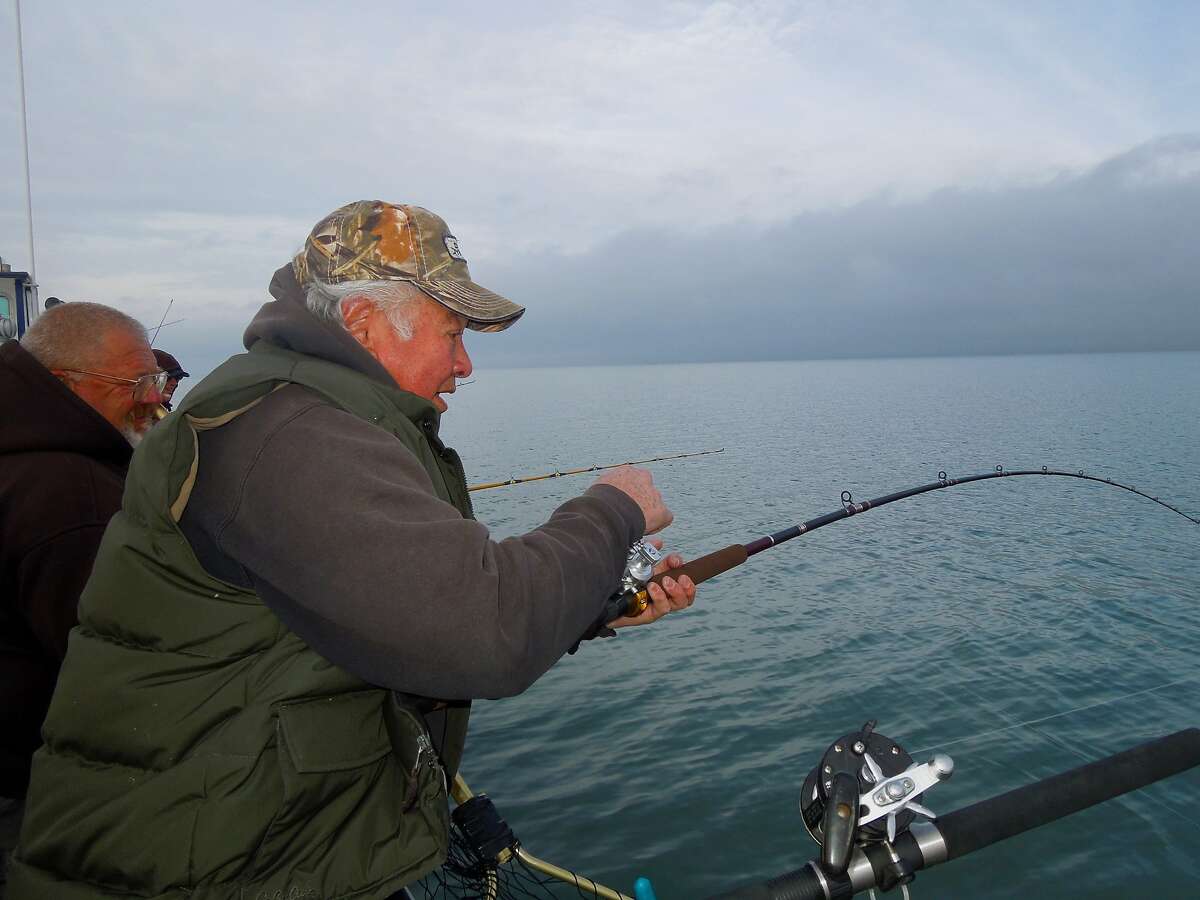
point(698, 570)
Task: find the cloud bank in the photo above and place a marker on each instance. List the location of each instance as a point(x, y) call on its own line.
point(1106, 260)
point(685, 180)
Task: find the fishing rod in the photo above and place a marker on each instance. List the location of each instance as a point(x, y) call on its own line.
point(860, 803)
point(633, 598)
point(636, 462)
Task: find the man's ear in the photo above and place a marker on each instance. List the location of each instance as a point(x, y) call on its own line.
point(67, 381)
point(356, 314)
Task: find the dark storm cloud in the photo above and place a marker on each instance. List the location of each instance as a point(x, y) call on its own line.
point(1107, 260)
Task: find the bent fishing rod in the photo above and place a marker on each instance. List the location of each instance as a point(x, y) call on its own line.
point(632, 598)
point(637, 462)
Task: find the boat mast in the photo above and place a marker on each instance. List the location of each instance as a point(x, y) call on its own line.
point(25, 144)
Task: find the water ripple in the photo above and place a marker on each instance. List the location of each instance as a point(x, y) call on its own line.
point(678, 751)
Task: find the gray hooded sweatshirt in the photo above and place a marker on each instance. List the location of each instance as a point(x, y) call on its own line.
point(411, 595)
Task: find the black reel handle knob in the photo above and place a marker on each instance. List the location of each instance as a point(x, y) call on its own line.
point(839, 823)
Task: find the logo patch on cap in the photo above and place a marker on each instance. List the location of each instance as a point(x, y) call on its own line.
point(452, 248)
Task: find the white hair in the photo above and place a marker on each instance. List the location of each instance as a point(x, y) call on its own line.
point(394, 298)
point(71, 336)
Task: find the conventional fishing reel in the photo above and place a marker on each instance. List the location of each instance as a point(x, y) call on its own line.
point(863, 794)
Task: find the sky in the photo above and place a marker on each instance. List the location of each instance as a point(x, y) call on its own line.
point(655, 182)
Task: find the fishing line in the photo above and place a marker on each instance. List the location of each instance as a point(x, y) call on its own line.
point(1059, 742)
point(1044, 735)
point(1064, 745)
point(1058, 715)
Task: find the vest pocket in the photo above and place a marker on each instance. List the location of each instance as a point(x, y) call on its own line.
point(332, 734)
point(362, 801)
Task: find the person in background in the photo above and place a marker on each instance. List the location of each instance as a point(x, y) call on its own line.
point(268, 694)
point(76, 392)
point(175, 374)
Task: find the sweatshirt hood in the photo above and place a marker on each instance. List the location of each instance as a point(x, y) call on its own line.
point(287, 322)
point(41, 414)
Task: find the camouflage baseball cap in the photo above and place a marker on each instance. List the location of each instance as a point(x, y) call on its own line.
point(371, 240)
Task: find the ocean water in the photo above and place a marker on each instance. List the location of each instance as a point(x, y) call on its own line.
point(1024, 626)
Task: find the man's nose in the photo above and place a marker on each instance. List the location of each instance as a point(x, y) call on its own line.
point(462, 362)
point(154, 397)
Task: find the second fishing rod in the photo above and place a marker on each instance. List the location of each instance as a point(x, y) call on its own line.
point(632, 598)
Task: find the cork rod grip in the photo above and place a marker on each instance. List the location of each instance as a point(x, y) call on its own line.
point(707, 567)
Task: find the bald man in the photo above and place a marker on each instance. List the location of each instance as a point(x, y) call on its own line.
point(76, 393)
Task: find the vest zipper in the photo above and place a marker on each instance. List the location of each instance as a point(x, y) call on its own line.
point(426, 754)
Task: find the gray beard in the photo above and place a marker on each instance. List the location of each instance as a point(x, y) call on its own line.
point(132, 435)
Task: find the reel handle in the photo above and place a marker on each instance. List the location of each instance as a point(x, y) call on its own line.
point(839, 823)
point(702, 569)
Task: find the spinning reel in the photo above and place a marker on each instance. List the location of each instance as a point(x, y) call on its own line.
point(866, 791)
point(628, 599)
point(639, 566)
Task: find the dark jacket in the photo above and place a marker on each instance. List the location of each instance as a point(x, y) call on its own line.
point(62, 468)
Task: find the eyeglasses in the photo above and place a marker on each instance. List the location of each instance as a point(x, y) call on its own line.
point(143, 387)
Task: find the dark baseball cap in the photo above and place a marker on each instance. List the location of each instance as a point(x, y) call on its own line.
point(170, 364)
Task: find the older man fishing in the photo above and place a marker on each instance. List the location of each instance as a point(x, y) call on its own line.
point(288, 619)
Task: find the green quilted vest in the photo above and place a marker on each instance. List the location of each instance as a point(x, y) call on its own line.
point(196, 748)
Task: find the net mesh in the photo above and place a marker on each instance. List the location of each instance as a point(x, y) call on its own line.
point(467, 875)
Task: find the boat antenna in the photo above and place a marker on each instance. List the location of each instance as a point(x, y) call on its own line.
point(25, 143)
point(154, 337)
